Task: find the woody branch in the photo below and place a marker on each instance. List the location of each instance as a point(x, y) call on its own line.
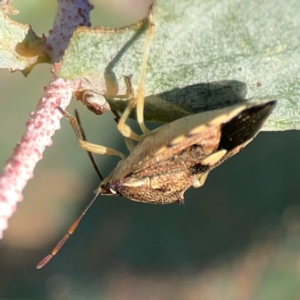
point(45, 119)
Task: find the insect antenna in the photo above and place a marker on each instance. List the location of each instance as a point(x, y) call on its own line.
point(70, 231)
point(73, 227)
point(88, 152)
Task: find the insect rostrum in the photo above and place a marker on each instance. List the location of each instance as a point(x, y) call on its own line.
point(182, 153)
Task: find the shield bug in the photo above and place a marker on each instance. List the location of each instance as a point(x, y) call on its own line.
point(175, 156)
point(180, 154)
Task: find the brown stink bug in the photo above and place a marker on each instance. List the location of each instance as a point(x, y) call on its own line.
point(165, 162)
point(182, 153)
point(175, 156)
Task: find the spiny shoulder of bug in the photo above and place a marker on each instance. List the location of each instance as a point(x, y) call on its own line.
point(189, 147)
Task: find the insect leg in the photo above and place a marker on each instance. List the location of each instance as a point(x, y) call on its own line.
point(122, 126)
point(138, 100)
point(210, 161)
point(130, 143)
point(140, 91)
point(90, 155)
point(94, 148)
point(200, 181)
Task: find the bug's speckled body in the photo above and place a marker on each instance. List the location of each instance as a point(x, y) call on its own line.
point(182, 153)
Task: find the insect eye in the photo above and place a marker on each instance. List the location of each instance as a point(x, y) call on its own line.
point(95, 102)
point(108, 189)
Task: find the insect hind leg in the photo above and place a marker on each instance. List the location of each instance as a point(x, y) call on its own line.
point(94, 148)
point(125, 130)
point(140, 101)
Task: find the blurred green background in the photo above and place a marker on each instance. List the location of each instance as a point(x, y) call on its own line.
point(238, 237)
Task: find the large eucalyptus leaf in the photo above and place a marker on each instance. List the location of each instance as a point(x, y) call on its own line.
point(20, 48)
point(208, 48)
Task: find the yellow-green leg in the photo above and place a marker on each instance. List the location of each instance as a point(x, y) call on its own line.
point(94, 148)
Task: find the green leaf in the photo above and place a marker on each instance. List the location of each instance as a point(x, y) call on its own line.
point(6, 8)
point(20, 47)
point(207, 43)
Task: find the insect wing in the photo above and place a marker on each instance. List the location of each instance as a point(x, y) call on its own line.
point(239, 131)
point(212, 131)
point(179, 154)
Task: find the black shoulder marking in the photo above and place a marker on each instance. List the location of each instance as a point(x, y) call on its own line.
point(245, 125)
point(199, 169)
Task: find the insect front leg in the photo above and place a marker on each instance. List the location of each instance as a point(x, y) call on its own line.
point(94, 148)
